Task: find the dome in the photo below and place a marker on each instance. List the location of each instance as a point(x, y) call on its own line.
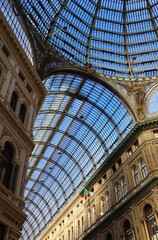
point(115, 38)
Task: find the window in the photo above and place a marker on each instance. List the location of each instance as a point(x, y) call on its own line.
point(69, 235)
point(109, 236)
point(155, 133)
point(143, 169)
point(128, 235)
point(79, 228)
point(21, 75)
point(22, 113)
point(72, 233)
point(13, 101)
point(124, 186)
point(113, 168)
point(129, 152)
point(118, 191)
point(6, 158)
point(2, 231)
point(6, 51)
point(136, 145)
point(29, 88)
point(153, 102)
point(135, 175)
point(151, 222)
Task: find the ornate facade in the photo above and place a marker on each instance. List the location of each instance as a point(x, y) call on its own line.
point(21, 93)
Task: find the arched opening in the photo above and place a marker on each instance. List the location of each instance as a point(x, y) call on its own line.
point(8, 170)
point(13, 101)
point(127, 230)
point(6, 164)
point(151, 223)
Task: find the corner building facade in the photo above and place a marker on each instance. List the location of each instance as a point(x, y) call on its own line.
point(21, 93)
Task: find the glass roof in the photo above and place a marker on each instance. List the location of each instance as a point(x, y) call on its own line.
point(11, 14)
point(80, 123)
point(115, 38)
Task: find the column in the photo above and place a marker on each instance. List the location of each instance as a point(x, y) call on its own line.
point(30, 117)
point(146, 230)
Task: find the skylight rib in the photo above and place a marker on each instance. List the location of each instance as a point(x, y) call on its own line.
point(152, 18)
point(91, 32)
point(73, 138)
point(54, 21)
point(131, 19)
point(40, 196)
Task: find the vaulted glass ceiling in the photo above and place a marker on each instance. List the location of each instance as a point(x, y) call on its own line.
point(116, 37)
point(80, 123)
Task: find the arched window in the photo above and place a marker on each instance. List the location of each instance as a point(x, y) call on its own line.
point(22, 113)
point(153, 102)
point(143, 169)
point(151, 222)
point(135, 175)
point(109, 236)
point(118, 191)
point(128, 235)
point(13, 101)
point(124, 186)
point(6, 158)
